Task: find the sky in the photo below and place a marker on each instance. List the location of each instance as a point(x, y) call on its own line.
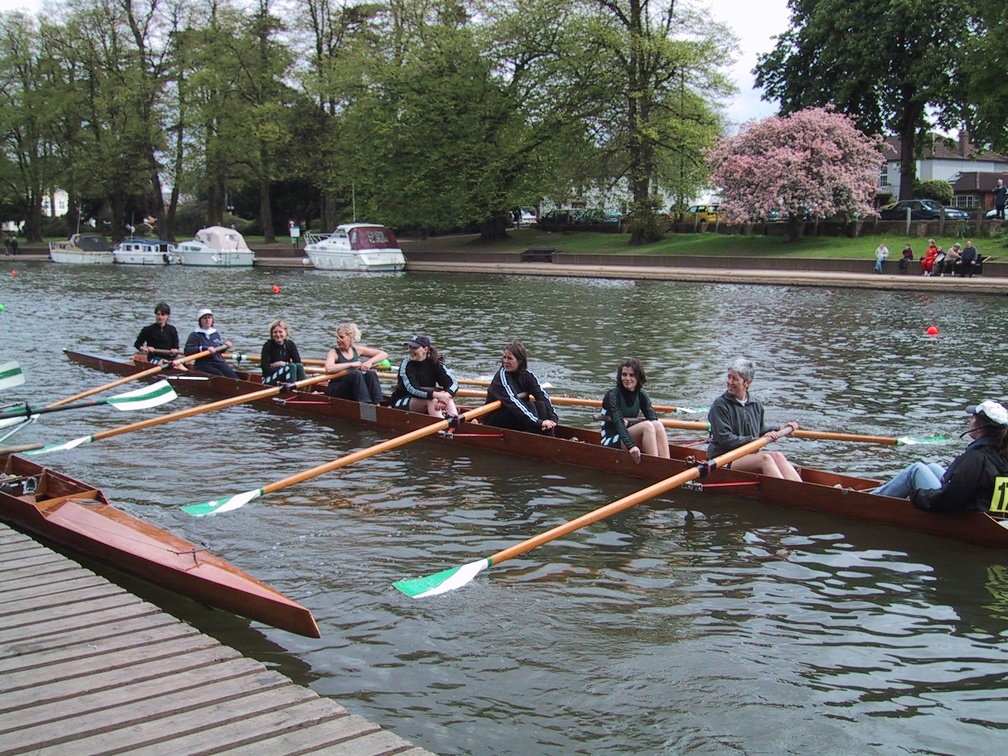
point(755, 23)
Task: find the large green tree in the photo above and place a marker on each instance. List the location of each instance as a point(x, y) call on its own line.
point(893, 65)
point(986, 85)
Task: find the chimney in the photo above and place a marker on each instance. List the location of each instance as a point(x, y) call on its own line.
point(964, 142)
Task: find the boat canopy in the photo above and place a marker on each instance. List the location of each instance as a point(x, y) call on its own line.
point(219, 237)
point(91, 242)
point(367, 237)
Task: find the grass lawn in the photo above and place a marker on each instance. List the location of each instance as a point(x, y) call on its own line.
point(722, 245)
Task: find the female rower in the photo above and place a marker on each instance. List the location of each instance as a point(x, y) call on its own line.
point(968, 483)
point(159, 340)
point(621, 406)
point(207, 337)
point(425, 384)
point(359, 385)
point(736, 418)
point(525, 404)
point(280, 361)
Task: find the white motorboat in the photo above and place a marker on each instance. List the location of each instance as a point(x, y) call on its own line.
point(216, 247)
point(82, 249)
point(357, 247)
point(145, 252)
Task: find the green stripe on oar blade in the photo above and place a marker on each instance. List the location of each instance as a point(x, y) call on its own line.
point(222, 505)
point(908, 441)
point(442, 582)
point(144, 398)
point(10, 375)
point(65, 446)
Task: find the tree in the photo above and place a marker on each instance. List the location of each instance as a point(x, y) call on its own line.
point(892, 64)
point(812, 162)
point(986, 85)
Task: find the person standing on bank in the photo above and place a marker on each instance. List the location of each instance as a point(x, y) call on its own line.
point(881, 255)
point(1000, 195)
point(621, 407)
point(207, 337)
point(280, 361)
point(736, 418)
point(968, 483)
point(361, 385)
point(532, 412)
point(159, 341)
point(425, 384)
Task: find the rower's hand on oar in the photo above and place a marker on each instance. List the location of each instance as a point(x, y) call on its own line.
point(547, 425)
point(774, 435)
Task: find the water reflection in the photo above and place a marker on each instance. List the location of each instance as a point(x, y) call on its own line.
point(696, 622)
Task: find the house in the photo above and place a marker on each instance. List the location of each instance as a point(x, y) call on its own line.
point(971, 172)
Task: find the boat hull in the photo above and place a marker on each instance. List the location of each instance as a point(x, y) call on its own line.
point(81, 258)
point(218, 258)
point(820, 491)
point(66, 513)
point(385, 261)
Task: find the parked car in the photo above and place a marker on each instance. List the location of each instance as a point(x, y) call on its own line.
point(700, 214)
point(921, 209)
point(595, 217)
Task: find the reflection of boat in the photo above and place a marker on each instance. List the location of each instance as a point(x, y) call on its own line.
point(77, 517)
point(81, 249)
point(357, 247)
point(216, 247)
point(145, 252)
point(830, 493)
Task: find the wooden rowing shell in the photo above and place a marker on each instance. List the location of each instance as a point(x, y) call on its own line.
point(69, 514)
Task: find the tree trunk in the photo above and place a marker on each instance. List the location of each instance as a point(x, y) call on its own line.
point(494, 229)
point(266, 211)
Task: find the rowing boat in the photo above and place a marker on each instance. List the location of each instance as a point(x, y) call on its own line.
point(830, 493)
point(77, 517)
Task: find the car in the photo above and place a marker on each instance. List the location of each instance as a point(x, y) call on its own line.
point(700, 214)
point(922, 209)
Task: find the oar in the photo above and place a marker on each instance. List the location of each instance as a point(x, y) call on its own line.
point(10, 375)
point(462, 381)
point(456, 577)
point(239, 500)
point(241, 399)
point(237, 357)
point(578, 402)
point(823, 435)
point(126, 379)
point(142, 398)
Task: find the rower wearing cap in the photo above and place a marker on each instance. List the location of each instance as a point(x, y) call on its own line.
point(968, 483)
point(425, 384)
point(207, 337)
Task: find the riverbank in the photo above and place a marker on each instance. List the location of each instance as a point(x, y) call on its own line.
point(457, 254)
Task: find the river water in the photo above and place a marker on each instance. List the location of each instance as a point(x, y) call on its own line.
point(694, 623)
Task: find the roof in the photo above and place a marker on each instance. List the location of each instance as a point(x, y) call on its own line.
point(219, 237)
point(943, 148)
point(977, 181)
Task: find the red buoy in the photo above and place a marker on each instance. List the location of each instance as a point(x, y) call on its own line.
point(932, 330)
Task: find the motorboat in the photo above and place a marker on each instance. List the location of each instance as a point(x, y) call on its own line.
point(82, 249)
point(357, 247)
point(145, 252)
point(216, 247)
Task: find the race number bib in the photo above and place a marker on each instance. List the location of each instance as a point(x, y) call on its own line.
point(999, 501)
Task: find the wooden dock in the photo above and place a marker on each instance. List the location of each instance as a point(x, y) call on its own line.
point(87, 668)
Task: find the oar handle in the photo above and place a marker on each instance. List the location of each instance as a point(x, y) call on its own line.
point(656, 489)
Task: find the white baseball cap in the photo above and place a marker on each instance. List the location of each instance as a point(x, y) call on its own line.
point(201, 313)
point(993, 411)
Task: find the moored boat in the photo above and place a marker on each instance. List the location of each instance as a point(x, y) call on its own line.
point(82, 249)
point(77, 517)
point(366, 247)
point(216, 247)
point(831, 493)
point(145, 252)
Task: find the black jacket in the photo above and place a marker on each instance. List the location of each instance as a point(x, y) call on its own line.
point(968, 484)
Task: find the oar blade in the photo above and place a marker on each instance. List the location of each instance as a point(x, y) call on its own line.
point(9, 421)
point(11, 375)
point(65, 446)
point(909, 441)
point(144, 398)
point(442, 582)
point(222, 505)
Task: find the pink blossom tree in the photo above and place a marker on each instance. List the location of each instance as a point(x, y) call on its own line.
point(813, 162)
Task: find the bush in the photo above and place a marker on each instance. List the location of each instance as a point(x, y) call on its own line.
point(56, 227)
point(940, 191)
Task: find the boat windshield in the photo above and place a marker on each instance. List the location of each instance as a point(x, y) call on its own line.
point(373, 238)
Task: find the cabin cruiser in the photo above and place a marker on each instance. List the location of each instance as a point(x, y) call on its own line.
point(357, 247)
point(216, 247)
point(82, 249)
point(145, 252)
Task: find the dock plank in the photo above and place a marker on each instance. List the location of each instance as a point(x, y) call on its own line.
point(87, 668)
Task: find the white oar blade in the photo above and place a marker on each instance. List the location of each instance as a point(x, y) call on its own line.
point(144, 398)
point(909, 441)
point(442, 582)
point(222, 505)
point(66, 446)
point(693, 410)
point(9, 421)
point(10, 375)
